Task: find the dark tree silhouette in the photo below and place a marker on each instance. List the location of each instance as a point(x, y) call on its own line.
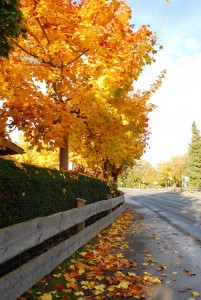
point(11, 25)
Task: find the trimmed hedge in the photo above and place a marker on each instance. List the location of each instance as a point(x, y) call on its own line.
point(27, 192)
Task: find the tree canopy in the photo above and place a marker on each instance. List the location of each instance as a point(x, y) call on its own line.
point(70, 82)
point(169, 173)
point(172, 172)
point(11, 25)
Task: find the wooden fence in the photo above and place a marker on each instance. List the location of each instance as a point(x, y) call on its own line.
point(21, 237)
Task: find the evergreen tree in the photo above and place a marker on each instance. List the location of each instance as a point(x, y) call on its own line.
point(194, 158)
point(11, 24)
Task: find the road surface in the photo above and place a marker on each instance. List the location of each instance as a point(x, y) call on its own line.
point(181, 210)
point(167, 241)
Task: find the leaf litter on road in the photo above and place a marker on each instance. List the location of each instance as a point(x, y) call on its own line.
point(98, 270)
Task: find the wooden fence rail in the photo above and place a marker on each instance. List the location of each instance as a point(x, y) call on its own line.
point(20, 237)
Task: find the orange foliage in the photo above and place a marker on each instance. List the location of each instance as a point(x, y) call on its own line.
point(74, 75)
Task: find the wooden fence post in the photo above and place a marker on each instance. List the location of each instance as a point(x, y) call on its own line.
point(81, 203)
point(108, 198)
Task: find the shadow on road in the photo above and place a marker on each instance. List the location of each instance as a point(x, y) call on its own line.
point(180, 209)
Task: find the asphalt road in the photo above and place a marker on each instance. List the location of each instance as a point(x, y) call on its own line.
point(181, 210)
point(167, 241)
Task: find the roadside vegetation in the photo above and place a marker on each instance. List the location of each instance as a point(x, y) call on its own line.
point(180, 171)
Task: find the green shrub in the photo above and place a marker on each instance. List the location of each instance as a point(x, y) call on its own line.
point(27, 192)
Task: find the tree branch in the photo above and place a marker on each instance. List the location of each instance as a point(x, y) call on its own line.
point(36, 56)
point(24, 50)
point(83, 52)
point(43, 30)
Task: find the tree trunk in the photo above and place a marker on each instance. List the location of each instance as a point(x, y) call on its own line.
point(64, 155)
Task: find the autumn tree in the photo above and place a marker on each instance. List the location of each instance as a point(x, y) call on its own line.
point(173, 171)
point(137, 175)
point(151, 177)
point(11, 25)
point(44, 158)
point(120, 138)
point(71, 81)
point(164, 173)
point(194, 158)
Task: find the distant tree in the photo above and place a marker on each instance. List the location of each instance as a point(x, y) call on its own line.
point(136, 176)
point(164, 173)
point(173, 171)
point(194, 157)
point(11, 25)
point(150, 177)
point(179, 165)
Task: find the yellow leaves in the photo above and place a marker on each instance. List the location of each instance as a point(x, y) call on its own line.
point(88, 285)
point(149, 279)
point(72, 284)
point(119, 255)
point(99, 289)
point(195, 294)
point(45, 296)
point(57, 275)
point(86, 276)
point(155, 237)
point(90, 49)
point(111, 288)
point(64, 190)
point(68, 277)
point(79, 293)
point(131, 274)
point(83, 254)
point(123, 284)
point(100, 277)
point(162, 267)
point(81, 270)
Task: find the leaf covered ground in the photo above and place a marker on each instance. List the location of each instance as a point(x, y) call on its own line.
point(99, 270)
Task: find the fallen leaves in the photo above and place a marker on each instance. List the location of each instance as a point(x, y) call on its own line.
point(59, 287)
point(45, 297)
point(162, 267)
point(123, 284)
point(99, 270)
point(188, 272)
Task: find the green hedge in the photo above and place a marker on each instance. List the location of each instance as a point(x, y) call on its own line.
point(27, 192)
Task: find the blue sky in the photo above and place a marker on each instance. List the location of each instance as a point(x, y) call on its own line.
point(178, 27)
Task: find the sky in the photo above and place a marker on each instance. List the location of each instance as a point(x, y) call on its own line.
point(178, 27)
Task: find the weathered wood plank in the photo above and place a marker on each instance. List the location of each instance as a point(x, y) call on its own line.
point(20, 237)
point(17, 282)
